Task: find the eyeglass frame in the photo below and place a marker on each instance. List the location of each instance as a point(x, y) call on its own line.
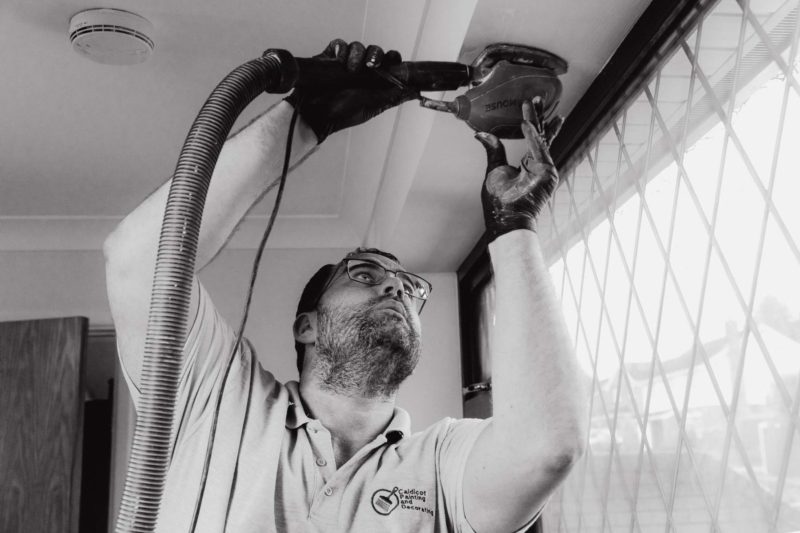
point(346, 261)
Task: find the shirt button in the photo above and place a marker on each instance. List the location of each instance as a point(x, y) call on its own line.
point(321, 461)
point(328, 491)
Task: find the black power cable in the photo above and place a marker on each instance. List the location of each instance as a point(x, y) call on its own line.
point(246, 312)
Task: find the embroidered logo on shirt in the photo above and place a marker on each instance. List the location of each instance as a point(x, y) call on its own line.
point(384, 501)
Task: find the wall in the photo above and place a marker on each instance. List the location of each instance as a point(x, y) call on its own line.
point(62, 283)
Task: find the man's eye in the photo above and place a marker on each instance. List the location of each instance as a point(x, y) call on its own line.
point(409, 285)
point(365, 276)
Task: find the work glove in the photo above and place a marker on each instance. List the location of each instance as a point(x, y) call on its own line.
point(329, 110)
point(512, 197)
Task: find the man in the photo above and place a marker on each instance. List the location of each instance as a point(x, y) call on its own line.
point(332, 452)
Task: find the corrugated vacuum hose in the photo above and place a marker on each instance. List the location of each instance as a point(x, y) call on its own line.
point(172, 283)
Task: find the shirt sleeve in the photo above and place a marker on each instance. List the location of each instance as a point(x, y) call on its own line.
point(202, 377)
point(452, 456)
point(451, 459)
point(199, 383)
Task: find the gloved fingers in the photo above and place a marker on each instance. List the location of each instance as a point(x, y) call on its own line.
point(336, 49)
point(527, 111)
point(355, 57)
point(392, 57)
point(532, 113)
point(538, 155)
point(552, 109)
point(538, 112)
point(537, 133)
point(533, 137)
point(374, 56)
point(495, 151)
point(552, 127)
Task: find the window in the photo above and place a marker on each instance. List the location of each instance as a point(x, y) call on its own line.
point(675, 245)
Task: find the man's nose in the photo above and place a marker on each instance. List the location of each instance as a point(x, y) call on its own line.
point(391, 286)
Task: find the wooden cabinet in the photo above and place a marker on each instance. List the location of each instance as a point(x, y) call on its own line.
point(41, 424)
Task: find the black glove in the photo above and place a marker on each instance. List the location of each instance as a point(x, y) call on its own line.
point(330, 110)
point(512, 197)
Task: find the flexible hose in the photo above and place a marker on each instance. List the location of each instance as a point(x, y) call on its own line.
point(237, 343)
point(172, 284)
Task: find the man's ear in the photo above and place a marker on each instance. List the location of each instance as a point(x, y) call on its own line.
point(305, 328)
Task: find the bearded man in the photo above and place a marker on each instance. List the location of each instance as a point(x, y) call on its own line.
point(331, 452)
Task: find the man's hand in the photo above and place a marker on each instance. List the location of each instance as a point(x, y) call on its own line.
point(512, 197)
point(327, 111)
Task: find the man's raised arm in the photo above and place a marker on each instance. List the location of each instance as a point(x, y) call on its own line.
point(249, 162)
point(535, 435)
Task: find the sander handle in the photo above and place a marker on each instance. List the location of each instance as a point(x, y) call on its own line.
point(329, 73)
point(420, 75)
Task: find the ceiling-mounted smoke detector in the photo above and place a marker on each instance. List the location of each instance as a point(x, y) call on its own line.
point(111, 36)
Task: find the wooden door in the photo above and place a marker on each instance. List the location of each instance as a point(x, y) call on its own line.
point(41, 424)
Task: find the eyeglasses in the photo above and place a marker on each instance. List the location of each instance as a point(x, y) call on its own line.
point(370, 273)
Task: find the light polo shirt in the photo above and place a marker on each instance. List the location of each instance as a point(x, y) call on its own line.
point(272, 467)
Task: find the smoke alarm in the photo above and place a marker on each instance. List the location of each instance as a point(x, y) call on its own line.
point(111, 36)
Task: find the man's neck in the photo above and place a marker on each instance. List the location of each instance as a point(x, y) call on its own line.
point(352, 421)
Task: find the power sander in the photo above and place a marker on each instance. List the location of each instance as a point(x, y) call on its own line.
point(499, 80)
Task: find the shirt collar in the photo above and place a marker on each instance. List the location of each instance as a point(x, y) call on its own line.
point(295, 416)
point(399, 426)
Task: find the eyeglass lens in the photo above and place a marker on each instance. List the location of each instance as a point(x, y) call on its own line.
point(373, 273)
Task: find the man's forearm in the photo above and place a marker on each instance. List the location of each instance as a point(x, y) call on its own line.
point(537, 399)
point(535, 434)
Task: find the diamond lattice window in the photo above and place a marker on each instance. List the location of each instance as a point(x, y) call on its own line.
point(675, 245)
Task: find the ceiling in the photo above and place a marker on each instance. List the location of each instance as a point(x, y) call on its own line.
point(83, 142)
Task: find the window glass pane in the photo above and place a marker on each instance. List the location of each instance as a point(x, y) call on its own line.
point(676, 252)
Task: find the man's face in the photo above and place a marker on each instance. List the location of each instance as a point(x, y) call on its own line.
point(368, 336)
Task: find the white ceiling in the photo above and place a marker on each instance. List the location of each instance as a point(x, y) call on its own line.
point(82, 143)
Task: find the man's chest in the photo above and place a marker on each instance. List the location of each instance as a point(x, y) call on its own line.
point(382, 488)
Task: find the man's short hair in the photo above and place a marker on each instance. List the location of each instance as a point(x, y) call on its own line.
point(316, 286)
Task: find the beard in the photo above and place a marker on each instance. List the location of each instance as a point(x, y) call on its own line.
point(364, 354)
